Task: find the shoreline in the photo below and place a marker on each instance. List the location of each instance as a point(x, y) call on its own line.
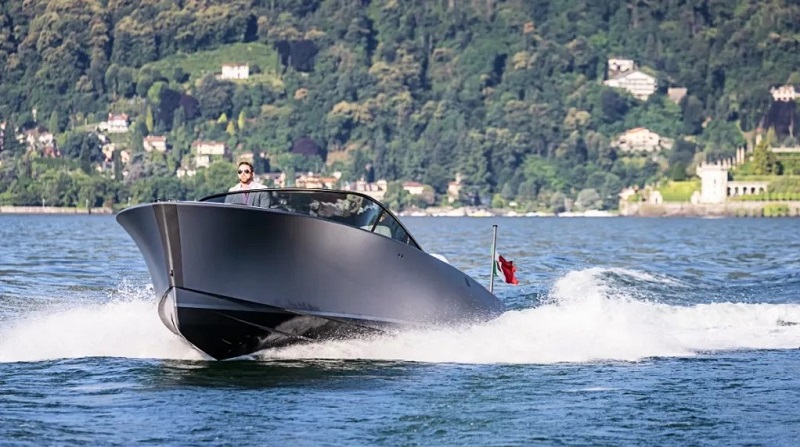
point(732, 209)
point(740, 209)
point(54, 210)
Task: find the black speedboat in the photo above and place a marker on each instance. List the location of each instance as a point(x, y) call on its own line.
point(240, 272)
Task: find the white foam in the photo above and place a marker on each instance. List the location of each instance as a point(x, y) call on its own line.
point(636, 274)
point(585, 320)
point(127, 326)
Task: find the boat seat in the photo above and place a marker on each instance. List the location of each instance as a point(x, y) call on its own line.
point(383, 230)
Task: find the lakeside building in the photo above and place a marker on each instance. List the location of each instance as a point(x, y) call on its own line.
point(454, 189)
point(414, 188)
point(714, 197)
point(716, 188)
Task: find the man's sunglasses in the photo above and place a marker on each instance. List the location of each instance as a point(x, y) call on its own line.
point(244, 171)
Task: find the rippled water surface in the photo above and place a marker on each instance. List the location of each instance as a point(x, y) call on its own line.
point(621, 332)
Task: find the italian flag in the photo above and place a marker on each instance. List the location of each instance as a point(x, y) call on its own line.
point(507, 268)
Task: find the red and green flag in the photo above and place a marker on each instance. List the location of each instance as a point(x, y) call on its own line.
point(507, 268)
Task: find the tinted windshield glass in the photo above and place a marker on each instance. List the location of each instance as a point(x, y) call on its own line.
point(350, 209)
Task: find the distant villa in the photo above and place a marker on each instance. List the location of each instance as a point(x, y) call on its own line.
point(715, 186)
point(235, 71)
point(641, 139)
point(784, 93)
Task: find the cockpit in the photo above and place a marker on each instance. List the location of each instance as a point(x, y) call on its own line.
point(345, 207)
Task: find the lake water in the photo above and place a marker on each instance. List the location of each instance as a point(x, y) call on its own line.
point(622, 331)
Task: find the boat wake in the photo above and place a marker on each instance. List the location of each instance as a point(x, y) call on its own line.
point(586, 317)
point(126, 326)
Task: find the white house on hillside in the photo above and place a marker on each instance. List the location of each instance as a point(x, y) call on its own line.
point(108, 151)
point(209, 147)
point(117, 123)
point(641, 139)
point(616, 66)
point(205, 151)
point(182, 172)
point(784, 93)
point(414, 188)
point(375, 190)
point(313, 180)
point(41, 141)
point(155, 143)
point(276, 179)
point(640, 85)
point(36, 138)
point(235, 71)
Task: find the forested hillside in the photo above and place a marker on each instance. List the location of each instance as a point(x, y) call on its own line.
point(509, 94)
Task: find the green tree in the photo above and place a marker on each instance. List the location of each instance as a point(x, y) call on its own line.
point(154, 93)
point(396, 198)
point(498, 201)
point(693, 115)
point(53, 124)
point(764, 161)
point(541, 175)
point(677, 171)
point(148, 120)
point(588, 199)
point(215, 97)
point(217, 178)
point(179, 118)
point(557, 202)
point(158, 189)
point(84, 147)
point(179, 76)
point(241, 120)
point(10, 145)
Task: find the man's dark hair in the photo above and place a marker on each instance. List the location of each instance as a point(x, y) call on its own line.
point(248, 165)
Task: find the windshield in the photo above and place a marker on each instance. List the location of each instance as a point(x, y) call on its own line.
point(353, 209)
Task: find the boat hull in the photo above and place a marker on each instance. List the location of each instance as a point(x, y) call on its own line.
point(233, 280)
point(225, 328)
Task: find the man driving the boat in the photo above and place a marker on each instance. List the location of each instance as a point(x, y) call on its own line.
point(247, 182)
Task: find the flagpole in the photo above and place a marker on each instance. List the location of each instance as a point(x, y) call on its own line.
point(494, 249)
